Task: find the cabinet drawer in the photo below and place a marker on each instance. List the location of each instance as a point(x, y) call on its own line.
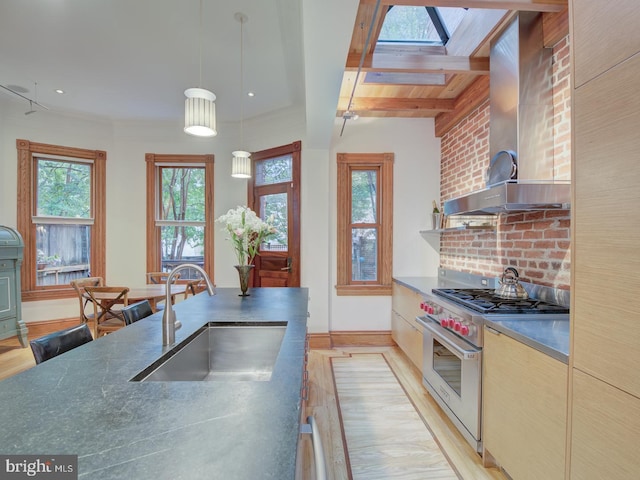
point(406, 302)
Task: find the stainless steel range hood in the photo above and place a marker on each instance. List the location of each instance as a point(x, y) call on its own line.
point(521, 121)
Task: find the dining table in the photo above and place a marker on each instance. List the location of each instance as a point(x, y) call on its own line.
point(152, 292)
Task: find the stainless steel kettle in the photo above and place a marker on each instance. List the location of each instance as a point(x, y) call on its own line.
point(510, 286)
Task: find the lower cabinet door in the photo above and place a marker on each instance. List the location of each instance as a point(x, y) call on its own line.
point(605, 430)
point(524, 409)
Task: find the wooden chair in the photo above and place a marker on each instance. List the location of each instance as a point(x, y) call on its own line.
point(78, 285)
point(136, 311)
point(107, 317)
point(57, 343)
point(193, 287)
point(161, 278)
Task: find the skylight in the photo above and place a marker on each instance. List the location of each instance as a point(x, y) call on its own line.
point(420, 25)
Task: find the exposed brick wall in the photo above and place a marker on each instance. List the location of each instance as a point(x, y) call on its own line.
point(535, 243)
point(562, 110)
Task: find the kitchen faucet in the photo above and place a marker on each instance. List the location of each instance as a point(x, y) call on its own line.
point(169, 321)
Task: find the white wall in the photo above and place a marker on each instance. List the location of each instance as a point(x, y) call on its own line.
point(416, 182)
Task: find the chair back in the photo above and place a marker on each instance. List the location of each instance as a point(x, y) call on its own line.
point(161, 277)
point(136, 311)
point(193, 287)
point(104, 299)
point(78, 285)
point(56, 343)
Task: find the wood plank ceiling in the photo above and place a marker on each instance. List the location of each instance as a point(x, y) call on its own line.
point(418, 81)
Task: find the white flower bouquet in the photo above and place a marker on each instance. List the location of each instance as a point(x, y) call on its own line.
point(246, 231)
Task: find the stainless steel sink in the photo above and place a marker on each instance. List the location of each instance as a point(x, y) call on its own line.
point(220, 352)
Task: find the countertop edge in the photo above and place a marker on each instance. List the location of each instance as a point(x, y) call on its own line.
point(541, 347)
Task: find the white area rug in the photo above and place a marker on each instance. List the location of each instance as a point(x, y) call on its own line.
point(385, 436)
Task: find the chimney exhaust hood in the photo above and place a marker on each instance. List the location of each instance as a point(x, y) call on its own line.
point(521, 123)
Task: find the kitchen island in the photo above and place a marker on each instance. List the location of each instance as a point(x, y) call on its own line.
point(83, 402)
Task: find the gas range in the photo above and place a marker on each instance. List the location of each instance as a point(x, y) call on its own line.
point(462, 310)
point(485, 301)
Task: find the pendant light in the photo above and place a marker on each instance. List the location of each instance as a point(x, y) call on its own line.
point(199, 106)
point(241, 163)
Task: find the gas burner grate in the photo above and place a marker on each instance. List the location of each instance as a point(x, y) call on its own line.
point(485, 301)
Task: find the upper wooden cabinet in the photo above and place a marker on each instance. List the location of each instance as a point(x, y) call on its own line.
point(606, 218)
point(604, 34)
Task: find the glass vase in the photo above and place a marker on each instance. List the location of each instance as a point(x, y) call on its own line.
point(244, 272)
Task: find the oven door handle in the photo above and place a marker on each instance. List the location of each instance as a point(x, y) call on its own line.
point(460, 349)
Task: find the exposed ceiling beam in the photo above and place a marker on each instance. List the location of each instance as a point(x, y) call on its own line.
point(471, 98)
point(529, 5)
point(409, 105)
point(412, 63)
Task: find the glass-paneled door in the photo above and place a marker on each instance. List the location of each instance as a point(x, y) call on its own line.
point(274, 191)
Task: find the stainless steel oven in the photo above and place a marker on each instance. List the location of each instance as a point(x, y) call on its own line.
point(452, 366)
point(453, 341)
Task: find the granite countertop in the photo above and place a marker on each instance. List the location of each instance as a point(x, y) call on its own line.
point(548, 334)
point(82, 402)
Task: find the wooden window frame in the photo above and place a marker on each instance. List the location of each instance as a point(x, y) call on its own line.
point(154, 160)
point(383, 163)
point(26, 196)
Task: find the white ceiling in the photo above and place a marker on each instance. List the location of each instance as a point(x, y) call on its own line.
point(133, 59)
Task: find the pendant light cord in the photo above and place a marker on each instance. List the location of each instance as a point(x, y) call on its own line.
point(241, 81)
point(200, 45)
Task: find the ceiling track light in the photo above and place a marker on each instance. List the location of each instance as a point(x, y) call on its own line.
point(199, 106)
point(31, 101)
point(241, 162)
point(352, 115)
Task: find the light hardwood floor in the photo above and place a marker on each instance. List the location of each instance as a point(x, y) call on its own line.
point(323, 406)
point(13, 358)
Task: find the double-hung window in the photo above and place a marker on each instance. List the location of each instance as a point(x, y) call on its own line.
point(179, 213)
point(61, 206)
point(365, 223)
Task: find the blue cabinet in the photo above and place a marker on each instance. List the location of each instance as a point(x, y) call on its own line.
point(11, 323)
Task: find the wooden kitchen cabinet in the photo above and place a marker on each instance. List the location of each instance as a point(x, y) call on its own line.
point(617, 22)
point(524, 409)
point(604, 404)
point(606, 233)
point(605, 427)
point(405, 330)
